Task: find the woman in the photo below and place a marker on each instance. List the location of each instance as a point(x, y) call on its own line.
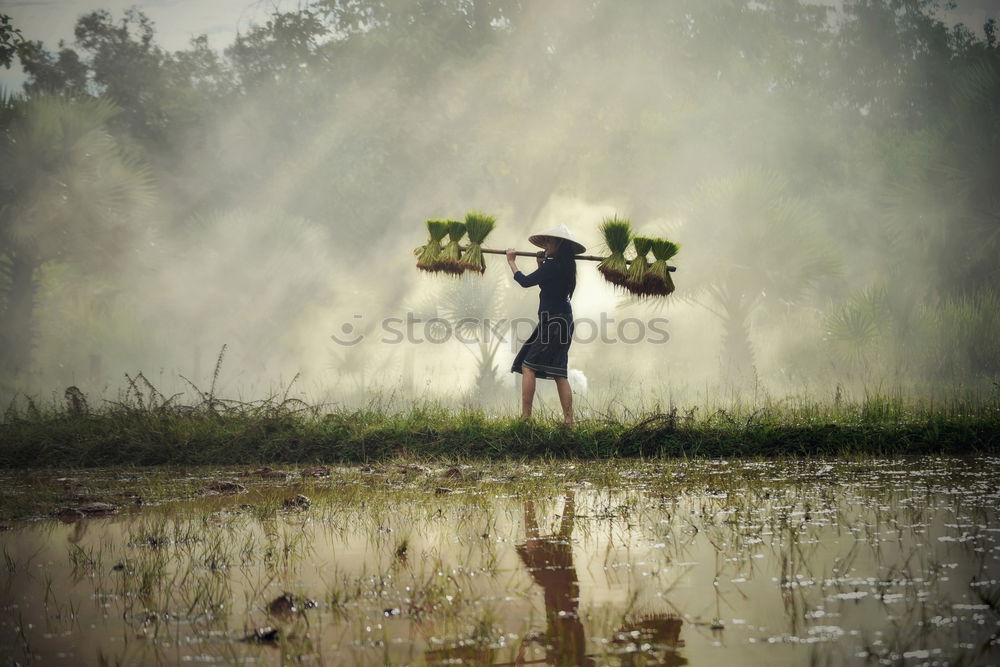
point(545, 353)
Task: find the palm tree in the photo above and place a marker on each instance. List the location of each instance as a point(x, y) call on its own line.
point(470, 305)
point(750, 245)
point(856, 330)
point(942, 203)
point(70, 192)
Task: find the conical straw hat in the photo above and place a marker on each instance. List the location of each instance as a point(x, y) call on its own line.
point(560, 232)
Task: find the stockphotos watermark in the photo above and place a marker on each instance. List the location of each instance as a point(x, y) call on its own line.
point(418, 330)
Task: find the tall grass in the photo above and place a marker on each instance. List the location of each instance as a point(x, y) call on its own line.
point(145, 427)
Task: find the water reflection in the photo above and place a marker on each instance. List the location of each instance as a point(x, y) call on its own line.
point(549, 559)
point(79, 529)
point(651, 639)
point(658, 631)
point(756, 562)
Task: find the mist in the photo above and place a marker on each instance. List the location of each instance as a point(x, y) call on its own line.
point(247, 218)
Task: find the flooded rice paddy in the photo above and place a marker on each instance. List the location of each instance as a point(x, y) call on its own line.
point(622, 563)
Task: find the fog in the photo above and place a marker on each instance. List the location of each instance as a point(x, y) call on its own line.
point(828, 171)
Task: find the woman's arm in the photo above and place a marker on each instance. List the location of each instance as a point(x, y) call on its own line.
point(512, 260)
point(545, 272)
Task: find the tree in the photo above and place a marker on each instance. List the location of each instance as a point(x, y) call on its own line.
point(282, 50)
point(966, 176)
point(63, 73)
point(11, 41)
point(470, 306)
point(158, 94)
point(893, 60)
point(69, 190)
point(753, 247)
point(127, 66)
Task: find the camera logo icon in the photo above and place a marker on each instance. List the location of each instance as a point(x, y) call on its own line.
point(350, 333)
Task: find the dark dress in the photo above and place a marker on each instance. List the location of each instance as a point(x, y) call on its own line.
point(547, 349)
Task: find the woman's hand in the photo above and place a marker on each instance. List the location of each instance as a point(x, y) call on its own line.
point(540, 257)
point(511, 261)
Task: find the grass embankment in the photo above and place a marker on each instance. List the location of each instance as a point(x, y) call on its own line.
point(151, 430)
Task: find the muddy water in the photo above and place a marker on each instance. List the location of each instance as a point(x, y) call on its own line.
point(699, 563)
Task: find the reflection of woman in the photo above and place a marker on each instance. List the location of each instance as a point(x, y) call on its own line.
point(545, 353)
point(550, 562)
point(661, 632)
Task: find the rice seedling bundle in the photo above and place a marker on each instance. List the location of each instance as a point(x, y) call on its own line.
point(657, 281)
point(478, 226)
point(637, 271)
point(427, 255)
point(450, 259)
point(617, 235)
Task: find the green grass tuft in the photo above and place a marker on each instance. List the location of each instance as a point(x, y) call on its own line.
point(657, 280)
point(450, 259)
point(637, 271)
point(617, 234)
point(427, 255)
point(478, 226)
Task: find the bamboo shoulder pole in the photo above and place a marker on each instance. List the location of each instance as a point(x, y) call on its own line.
point(524, 253)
